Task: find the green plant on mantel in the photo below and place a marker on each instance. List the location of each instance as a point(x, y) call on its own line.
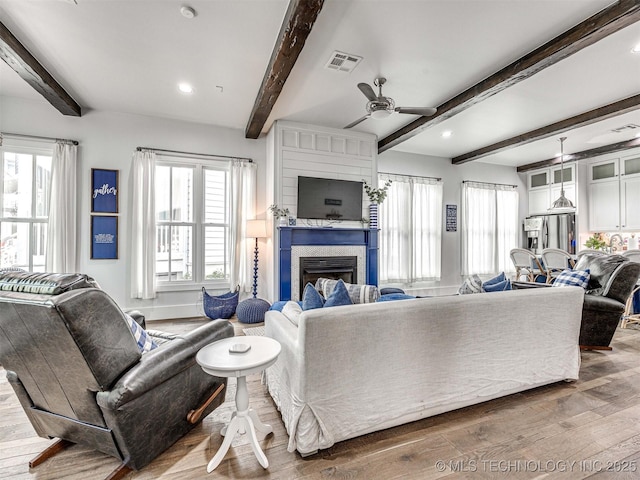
point(595, 242)
point(377, 195)
point(278, 212)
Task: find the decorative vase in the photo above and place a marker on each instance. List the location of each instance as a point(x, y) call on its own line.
point(373, 216)
point(283, 221)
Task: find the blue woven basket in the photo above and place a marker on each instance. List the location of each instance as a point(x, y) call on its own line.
point(221, 306)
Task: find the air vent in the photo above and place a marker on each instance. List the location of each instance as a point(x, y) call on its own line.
point(343, 62)
point(625, 128)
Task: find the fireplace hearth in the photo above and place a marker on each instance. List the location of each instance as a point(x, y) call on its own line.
point(312, 268)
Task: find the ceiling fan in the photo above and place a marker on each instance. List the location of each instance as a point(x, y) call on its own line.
point(380, 106)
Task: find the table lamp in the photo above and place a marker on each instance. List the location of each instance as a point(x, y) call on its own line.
point(252, 310)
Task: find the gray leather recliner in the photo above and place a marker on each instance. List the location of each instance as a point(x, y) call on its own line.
point(75, 366)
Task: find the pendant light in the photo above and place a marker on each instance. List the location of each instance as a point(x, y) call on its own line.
point(562, 203)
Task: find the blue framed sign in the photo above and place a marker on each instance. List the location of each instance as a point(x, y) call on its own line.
point(452, 218)
point(104, 237)
point(104, 191)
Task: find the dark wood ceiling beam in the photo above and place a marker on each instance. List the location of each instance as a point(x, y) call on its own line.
point(588, 118)
point(19, 59)
point(296, 27)
point(610, 20)
point(583, 155)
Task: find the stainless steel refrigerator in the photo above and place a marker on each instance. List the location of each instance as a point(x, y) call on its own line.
point(556, 230)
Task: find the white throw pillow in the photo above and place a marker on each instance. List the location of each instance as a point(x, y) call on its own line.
point(292, 310)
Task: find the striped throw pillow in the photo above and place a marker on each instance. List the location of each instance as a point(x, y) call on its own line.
point(577, 278)
point(357, 293)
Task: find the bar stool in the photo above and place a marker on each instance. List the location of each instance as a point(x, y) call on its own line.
point(526, 263)
point(555, 261)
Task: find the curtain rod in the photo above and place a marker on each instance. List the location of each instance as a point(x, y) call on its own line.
point(161, 150)
point(36, 137)
point(416, 176)
point(489, 183)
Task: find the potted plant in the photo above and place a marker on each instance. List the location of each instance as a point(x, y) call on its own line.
point(376, 197)
point(595, 242)
point(281, 214)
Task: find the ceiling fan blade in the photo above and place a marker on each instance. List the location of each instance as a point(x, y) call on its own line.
point(368, 91)
point(361, 119)
point(423, 111)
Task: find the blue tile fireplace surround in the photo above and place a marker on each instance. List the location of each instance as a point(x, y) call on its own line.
point(295, 242)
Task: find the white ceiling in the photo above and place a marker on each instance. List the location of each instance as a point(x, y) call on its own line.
point(128, 56)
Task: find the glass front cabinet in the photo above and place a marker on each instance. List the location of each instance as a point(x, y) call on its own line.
point(544, 187)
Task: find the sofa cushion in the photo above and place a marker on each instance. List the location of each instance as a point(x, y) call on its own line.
point(472, 284)
point(292, 310)
point(497, 286)
point(357, 293)
point(577, 278)
point(311, 298)
point(145, 342)
point(339, 296)
point(44, 283)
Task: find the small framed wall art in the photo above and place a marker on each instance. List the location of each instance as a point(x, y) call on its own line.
point(104, 191)
point(104, 237)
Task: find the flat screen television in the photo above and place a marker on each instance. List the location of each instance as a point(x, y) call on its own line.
point(329, 199)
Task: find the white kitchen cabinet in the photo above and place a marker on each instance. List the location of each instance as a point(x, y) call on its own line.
point(604, 206)
point(544, 187)
point(614, 194)
point(630, 203)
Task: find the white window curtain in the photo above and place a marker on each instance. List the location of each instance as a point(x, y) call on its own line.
point(489, 227)
point(143, 225)
point(242, 205)
point(61, 250)
point(410, 222)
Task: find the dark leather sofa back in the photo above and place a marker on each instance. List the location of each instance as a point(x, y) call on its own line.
point(612, 276)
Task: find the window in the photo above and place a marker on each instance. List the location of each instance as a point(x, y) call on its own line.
point(410, 230)
point(489, 227)
point(192, 222)
point(26, 182)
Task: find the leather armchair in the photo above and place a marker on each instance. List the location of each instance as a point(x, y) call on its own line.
point(75, 366)
point(612, 279)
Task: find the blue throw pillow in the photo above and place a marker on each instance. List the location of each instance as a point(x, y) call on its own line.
point(497, 287)
point(492, 281)
point(394, 296)
point(578, 278)
point(279, 305)
point(311, 298)
point(144, 341)
point(339, 296)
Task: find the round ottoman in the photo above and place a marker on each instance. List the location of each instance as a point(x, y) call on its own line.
point(252, 310)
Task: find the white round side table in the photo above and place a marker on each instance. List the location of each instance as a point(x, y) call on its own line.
point(217, 359)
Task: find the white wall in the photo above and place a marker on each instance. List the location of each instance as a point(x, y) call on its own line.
point(108, 140)
point(452, 177)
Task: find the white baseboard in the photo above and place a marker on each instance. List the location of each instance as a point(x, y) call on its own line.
point(171, 311)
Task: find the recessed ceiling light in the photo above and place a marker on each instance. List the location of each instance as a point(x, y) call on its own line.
point(447, 134)
point(185, 88)
point(636, 49)
point(187, 12)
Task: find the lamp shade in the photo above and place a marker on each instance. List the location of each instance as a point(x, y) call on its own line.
point(256, 228)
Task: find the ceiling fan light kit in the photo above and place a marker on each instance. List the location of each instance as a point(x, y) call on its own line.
point(380, 107)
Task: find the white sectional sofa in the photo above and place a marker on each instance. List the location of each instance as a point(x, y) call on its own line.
point(350, 370)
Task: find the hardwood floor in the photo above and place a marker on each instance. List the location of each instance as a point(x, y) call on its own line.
point(565, 430)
